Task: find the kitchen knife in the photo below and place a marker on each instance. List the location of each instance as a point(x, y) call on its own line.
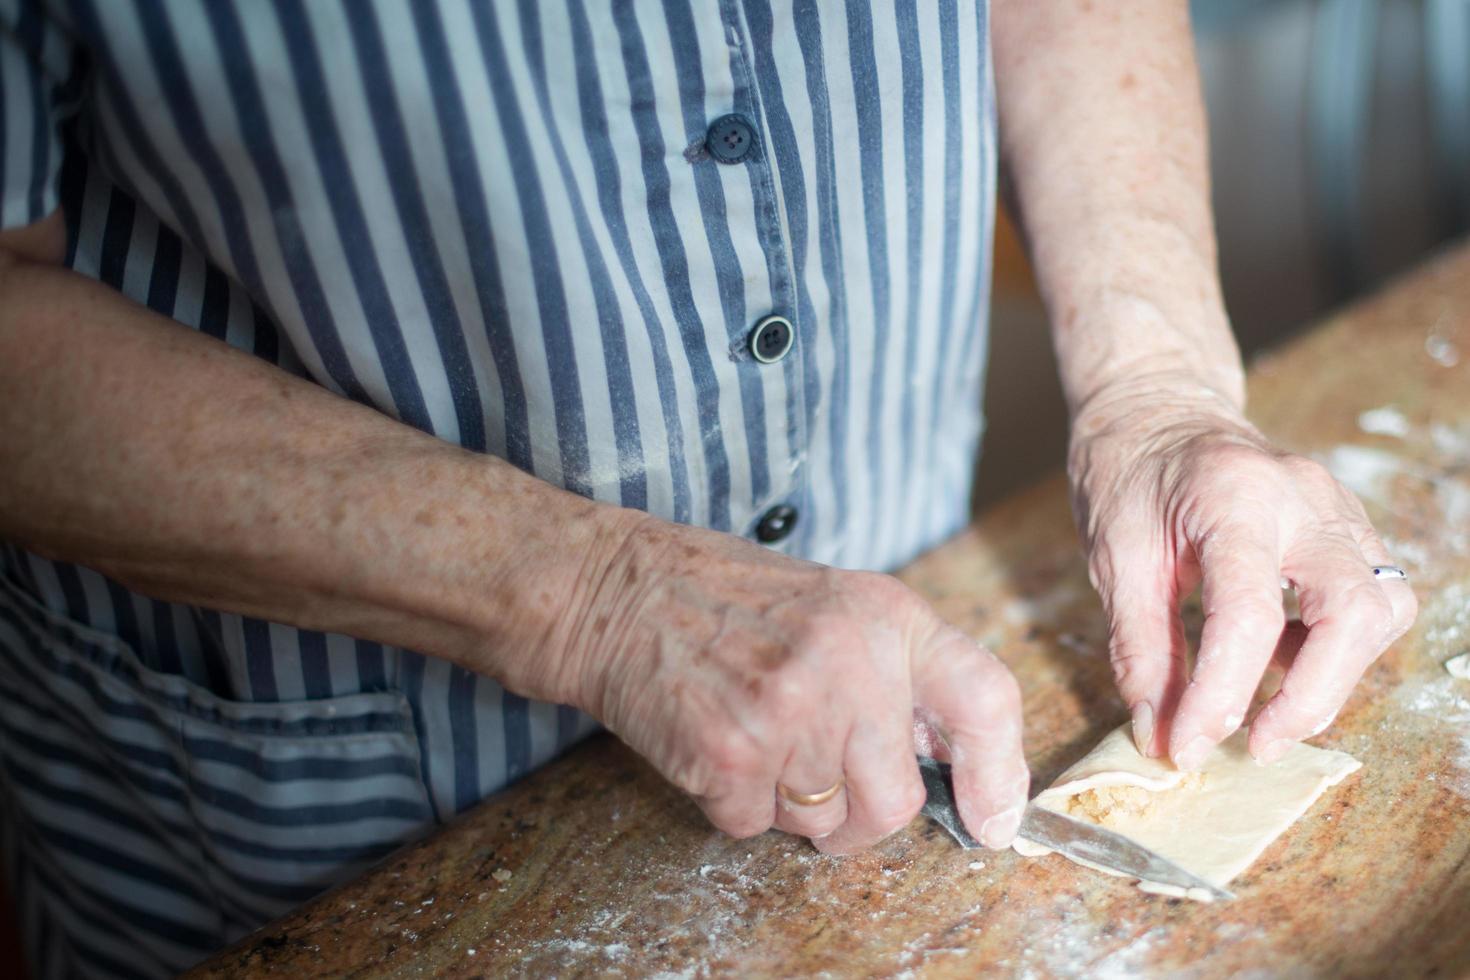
point(1076, 839)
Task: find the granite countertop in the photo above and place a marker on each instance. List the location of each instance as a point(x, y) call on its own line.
point(593, 866)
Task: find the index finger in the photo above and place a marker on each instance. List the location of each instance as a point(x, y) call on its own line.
point(1243, 622)
point(966, 693)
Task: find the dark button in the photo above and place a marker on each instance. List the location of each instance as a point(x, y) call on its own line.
point(730, 139)
point(771, 339)
point(776, 523)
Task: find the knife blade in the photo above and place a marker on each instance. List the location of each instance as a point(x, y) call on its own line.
point(1074, 838)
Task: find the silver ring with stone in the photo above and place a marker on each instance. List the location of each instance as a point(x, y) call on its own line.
point(1385, 573)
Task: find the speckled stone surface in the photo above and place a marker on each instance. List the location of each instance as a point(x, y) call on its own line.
point(594, 867)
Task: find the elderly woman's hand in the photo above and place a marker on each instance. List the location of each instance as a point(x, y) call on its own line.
point(1171, 487)
point(735, 669)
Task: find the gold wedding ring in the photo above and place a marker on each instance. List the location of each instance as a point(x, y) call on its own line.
point(810, 799)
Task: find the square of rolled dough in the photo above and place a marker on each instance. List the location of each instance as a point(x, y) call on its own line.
point(1213, 822)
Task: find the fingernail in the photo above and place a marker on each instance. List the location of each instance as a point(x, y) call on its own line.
point(1193, 754)
point(1143, 728)
point(1001, 829)
point(1274, 751)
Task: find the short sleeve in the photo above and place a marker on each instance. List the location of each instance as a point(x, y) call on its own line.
point(35, 65)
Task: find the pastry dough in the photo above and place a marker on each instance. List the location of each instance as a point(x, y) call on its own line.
point(1213, 822)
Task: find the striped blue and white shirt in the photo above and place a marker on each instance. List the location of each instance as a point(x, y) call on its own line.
point(551, 230)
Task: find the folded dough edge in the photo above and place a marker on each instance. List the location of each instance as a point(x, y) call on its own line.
point(1214, 824)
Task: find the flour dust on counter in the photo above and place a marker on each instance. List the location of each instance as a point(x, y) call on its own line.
point(1213, 822)
point(1433, 455)
point(1384, 421)
point(1441, 705)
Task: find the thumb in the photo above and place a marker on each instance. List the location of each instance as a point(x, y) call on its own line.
point(966, 695)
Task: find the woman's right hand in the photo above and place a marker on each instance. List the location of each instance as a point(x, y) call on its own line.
point(733, 669)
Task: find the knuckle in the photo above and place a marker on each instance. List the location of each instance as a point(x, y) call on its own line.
point(827, 634)
point(1300, 715)
point(990, 691)
point(787, 696)
point(999, 703)
point(1128, 657)
point(1314, 483)
point(896, 810)
point(912, 797)
point(1119, 558)
point(691, 776)
point(1308, 470)
point(884, 586)
point(1136, 607)
point(1300, 706)
point(1258, 617)
point(1143, 639)
point(1403, 609)
point(881, 593)
point(744, 826)
point(1130, 667)
point(1003, 694)
point(1367, 610)
point(1238, 463)
point(1227, 454)
point(1353, 509)
point(729, 752)
point(1252, 614)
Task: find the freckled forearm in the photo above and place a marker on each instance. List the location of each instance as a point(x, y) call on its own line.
point(193, 472)
point(1104, 140)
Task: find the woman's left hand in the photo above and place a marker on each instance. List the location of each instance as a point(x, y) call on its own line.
point(1172, 487)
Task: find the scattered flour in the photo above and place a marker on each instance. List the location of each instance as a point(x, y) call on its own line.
point(582, 949)
point(1447, 621)
point(1371, 473)
point(1458, 666)
point(1070, 945)
point(1042, 609)
point(720, 888)
point(1442, 702)
point(1412, 555)
point(1385, 421)
point(1367, 472)
point(1441, 349)
point(1453, 497)
point(1451, 442)
point(1438, 698)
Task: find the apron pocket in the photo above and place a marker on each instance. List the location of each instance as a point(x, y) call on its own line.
point(152, 813)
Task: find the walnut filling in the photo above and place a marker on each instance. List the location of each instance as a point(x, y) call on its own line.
point(1107, 805)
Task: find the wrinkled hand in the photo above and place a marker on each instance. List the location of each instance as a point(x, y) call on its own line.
point(1171, 487)
point(733, 668)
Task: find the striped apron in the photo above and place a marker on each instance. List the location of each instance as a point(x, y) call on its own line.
point(550, 230)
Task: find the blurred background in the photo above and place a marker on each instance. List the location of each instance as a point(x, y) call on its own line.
point(1340, 152)
point(1340, 149)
